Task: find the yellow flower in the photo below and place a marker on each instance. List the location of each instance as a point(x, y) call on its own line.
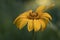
point(35, 20)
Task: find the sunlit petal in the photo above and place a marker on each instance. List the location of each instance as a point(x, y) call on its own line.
point(40, 9)
point(30, 25)
point(37, 25)
point(23, 15)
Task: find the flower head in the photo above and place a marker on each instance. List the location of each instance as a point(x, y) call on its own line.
point(35, 20)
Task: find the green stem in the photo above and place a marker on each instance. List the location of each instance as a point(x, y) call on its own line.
point(34, 36)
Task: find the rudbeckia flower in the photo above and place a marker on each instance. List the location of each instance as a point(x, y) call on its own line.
point(34, 20)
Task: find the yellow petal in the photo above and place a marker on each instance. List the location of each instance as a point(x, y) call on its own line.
point(43, 24)
point(45, 19)
point(18, 22)
point(22, 23)
point(40, 9)
point(47, 15)
point(37, 25)
point(23, 15)
point(30, 25)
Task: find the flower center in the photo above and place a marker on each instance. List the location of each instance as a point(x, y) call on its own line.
point(33, 16)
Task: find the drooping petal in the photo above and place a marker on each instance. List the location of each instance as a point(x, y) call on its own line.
point(37, 25)
point(23, 15)
point(22, 23)
point(43, 24)
point(45, 19)
point(47, 15)
point(30, 25)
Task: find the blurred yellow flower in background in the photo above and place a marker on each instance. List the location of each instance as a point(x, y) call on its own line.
point(35, 20)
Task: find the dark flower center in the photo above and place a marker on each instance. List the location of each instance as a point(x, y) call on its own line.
point(33, 16)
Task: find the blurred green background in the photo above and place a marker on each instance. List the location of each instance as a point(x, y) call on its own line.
point(10, 9)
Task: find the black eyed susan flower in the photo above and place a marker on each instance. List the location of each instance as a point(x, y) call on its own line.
point(35, 20)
